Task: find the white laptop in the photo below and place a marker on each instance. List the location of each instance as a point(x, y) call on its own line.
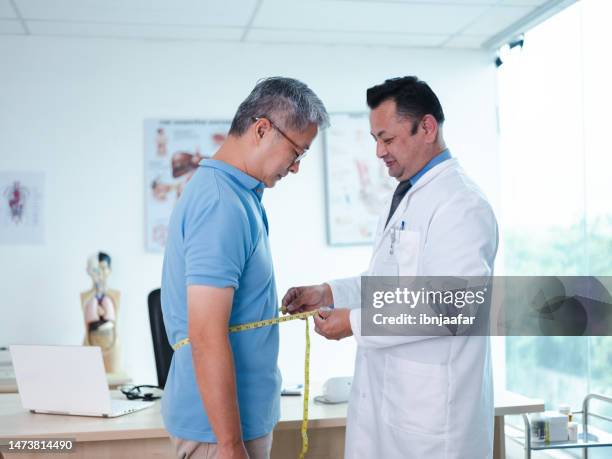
point(7, 374)
point(66, 380)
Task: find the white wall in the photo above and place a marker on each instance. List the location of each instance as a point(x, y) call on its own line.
point(73, 108)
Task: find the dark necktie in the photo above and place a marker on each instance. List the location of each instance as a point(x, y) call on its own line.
point(398, 195)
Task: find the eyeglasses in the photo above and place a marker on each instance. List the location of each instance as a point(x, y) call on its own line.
point(138, 392)
point(300, 152)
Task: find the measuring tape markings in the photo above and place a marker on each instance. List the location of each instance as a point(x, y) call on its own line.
point(265, 323)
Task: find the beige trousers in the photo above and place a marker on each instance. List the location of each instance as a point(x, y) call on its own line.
point(258, 448)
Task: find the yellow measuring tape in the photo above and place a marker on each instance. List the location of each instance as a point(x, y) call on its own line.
point(266, 323)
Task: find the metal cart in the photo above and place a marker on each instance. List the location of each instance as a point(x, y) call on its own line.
point(588, 437)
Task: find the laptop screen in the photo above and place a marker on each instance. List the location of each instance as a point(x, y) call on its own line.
point(65, 379)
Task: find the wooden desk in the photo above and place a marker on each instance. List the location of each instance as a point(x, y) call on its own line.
point(142, 434)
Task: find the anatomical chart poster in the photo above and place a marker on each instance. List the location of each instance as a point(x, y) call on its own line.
point(173, 149)
point(21, 207)
point(357, 182)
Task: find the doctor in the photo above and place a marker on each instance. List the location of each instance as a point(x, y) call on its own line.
point(415, 397)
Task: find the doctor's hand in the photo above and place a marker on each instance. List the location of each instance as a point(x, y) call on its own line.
point(333, 323)
point(307, 298)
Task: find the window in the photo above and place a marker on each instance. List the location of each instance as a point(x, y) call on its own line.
point(554, 99)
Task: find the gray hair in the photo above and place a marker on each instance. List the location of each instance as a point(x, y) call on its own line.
point(285, 101)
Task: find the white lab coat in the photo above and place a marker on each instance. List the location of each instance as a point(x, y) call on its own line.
point(418, 397)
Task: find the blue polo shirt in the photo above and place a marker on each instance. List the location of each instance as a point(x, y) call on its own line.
point(218, 236)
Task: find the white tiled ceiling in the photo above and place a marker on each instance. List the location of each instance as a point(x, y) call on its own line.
point(344, 38)
point(10, 27)
point(497, 19)
point(6, 10)
point(175, 12)
point(465, 41)
point(456, 2)
point(396, 23)
point(367, 16)
point(144, 31)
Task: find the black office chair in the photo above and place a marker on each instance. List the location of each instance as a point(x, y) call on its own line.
point(161, 346)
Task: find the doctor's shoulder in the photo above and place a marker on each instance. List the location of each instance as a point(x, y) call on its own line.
point(458, 185)
point(458, 195)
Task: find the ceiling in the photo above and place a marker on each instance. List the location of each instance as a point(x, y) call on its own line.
point(473, 24)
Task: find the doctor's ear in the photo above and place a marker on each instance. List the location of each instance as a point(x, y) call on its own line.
point(430, 126)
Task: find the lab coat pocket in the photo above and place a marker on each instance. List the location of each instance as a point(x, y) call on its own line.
point(415, 396)
point(384, 265)
point(387, 271)
point(407, 252)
